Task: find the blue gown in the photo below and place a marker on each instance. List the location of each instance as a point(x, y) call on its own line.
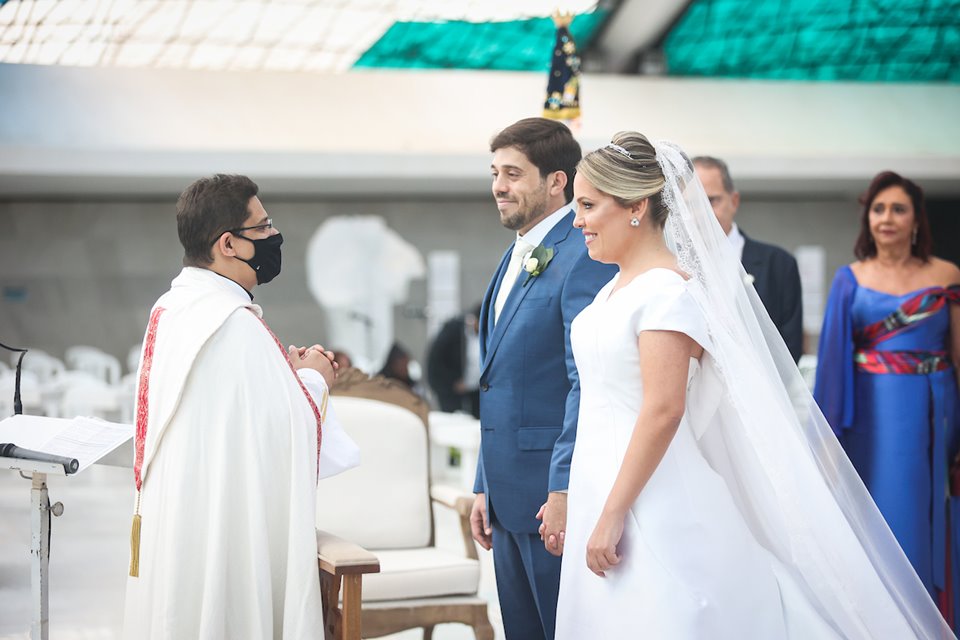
point(896, 417)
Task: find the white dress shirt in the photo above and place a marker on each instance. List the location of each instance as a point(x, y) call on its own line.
point(736, 240)
point(528, 241)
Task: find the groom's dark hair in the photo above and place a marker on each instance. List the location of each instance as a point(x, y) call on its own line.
point(548, 144)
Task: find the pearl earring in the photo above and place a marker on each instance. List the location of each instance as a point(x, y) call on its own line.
point(634, 221)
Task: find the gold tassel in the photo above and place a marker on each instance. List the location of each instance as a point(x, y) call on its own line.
point(135, 542)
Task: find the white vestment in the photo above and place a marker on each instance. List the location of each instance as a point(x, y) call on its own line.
point(228, 465)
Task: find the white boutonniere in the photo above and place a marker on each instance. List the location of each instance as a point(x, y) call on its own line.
point(537, 262)
point(749, 278)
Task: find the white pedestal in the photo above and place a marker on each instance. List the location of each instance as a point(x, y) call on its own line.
point(458, 430)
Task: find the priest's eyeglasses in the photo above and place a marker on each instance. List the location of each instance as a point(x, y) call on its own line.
point(266, 226)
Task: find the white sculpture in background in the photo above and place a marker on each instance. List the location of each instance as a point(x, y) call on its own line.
point(358, 269)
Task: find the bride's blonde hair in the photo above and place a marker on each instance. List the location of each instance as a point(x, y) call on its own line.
point(627, 170)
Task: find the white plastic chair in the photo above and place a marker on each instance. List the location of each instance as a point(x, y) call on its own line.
point(43, 365)
point(127, 396)
point(133, 358)
point(95, 362)
point(87, 395)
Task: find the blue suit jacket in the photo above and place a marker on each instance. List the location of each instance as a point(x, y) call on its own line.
point(529, 388)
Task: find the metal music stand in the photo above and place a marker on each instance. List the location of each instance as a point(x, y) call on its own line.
point(40, 511)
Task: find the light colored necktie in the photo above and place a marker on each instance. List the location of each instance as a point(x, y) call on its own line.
point(521, 250)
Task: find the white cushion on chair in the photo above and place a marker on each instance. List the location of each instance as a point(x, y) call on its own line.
point(421, 573)
point(385, 502)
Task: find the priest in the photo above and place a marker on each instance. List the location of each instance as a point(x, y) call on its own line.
point(232, 433)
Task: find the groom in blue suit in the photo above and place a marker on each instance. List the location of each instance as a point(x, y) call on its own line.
point(529, 389)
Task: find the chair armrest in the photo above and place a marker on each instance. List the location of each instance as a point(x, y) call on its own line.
point(462, 502)
point(457, 499)
point(340, 557)
point(342, 561)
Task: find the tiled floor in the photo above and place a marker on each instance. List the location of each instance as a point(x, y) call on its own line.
point(89, 554)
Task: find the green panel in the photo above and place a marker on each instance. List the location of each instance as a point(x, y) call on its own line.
point(877, 40)
point(516, 45)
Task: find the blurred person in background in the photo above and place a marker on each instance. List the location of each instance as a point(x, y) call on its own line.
point(400, 366)
point(453, 364)
point(886, 377)
point(772, 270)
point(343, 359)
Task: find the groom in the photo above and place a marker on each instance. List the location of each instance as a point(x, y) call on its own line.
point(529, 389)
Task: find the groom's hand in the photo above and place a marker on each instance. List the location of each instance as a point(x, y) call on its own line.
point(480, 523)
point(554, 527)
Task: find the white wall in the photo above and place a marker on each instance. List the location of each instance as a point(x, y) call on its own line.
point(106, 130)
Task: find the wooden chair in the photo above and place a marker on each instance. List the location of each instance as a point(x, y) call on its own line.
point(385, 505)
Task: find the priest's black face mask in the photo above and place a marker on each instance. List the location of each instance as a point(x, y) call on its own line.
point(266, 257)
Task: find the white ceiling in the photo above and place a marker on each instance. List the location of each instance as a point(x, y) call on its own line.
point(279, 35)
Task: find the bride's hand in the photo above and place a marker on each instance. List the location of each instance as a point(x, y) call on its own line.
point(602, 546)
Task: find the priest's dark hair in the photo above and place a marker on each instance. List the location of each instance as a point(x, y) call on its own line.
point(206, 209)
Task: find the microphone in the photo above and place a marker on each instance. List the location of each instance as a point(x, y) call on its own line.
point(10, 450)
point(17, 404)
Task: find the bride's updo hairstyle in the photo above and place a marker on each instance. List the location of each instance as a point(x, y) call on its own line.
point(627, 170)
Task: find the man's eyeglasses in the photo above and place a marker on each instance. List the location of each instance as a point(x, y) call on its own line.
point(266, 226)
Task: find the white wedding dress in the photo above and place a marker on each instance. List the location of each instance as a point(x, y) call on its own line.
point(755, 525)
point(690, 566)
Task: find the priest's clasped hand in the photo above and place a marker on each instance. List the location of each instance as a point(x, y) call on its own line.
point(316, 358)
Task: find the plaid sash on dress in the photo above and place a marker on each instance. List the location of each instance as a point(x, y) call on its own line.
point(915, 310)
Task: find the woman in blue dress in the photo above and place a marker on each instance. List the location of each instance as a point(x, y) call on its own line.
point(886, 379)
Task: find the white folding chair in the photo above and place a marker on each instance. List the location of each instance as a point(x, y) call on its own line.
point(95, 362)
point(87, 395)
point(43, 365)
point(133, 358)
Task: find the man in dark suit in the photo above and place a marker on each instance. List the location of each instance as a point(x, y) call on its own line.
point(529, 389)
point(453, 368)
point(774, 271)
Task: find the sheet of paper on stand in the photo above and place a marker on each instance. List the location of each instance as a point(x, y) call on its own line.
point(86, 439)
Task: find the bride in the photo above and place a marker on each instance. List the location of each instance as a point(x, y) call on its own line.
point(708, 497)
